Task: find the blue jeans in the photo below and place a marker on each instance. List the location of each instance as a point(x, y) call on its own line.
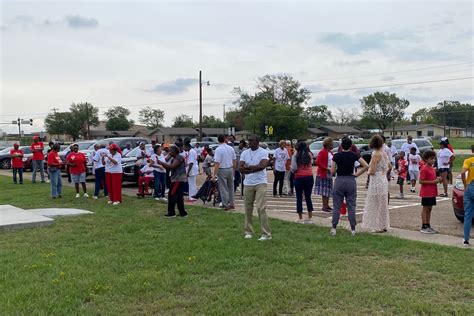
point(56, 184)
point(468, 209)
point(304, 185)
point(20, 174)
point(99, 174)
point(160, 179)
point(35, 165)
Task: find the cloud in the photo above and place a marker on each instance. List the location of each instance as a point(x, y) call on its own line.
point(388, 78)
point(352, 63)
point(422, 54)
point(316, 87)
point(354, 43)
point(337, 100)
point(77, 21)
point(177, 86)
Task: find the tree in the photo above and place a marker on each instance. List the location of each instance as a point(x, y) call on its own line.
point(454, 113)
point(317, 115)
point(423, 116)
point(183, 120)
point(383, 108)
point(345, 116)
point(212, 121)
point(59, 123)
point(235, 118)
point(85, 114)
point(117, 119)
point(152, 118)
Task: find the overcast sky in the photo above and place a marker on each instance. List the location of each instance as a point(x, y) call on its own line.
point(133, 54)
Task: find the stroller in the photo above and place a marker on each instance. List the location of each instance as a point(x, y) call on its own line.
point(208, 192)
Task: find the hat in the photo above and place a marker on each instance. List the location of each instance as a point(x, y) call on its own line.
point(114, 147)
point(444, 143)
point(16, 145)
point(443, 139)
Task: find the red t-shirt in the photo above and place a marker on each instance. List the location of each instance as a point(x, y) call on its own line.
point(402, 168)
point(79, 161)
point(37, 150)
point(54, 159)
point(428, 190)
point(451, 148)
point(17, 162)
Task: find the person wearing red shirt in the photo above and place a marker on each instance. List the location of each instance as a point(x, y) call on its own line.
point(54, 169)
point(37, 162)
point(16, 155)
point(402, 172)
point(323, 184)
point(77, 167)
point(428, 191)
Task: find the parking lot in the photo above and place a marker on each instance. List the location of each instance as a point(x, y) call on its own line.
point(404, 213)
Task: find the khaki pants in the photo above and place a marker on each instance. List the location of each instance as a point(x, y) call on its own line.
point(257, 194)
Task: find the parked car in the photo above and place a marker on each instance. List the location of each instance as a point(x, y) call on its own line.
point(458, 199)
point(354, 138)
point(123, 141)
point(365, 152)
point(423, 146)
point(28, 159)
point(5, 159)
point(316, 147)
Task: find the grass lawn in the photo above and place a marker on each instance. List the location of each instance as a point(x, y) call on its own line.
point(129, 260)
point(461, 143)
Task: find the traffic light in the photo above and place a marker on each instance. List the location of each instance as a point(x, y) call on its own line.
point(31, 122)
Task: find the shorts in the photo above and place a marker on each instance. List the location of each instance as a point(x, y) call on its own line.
point(78, 178)
point(414, 174)
point(428, 201)
point(441, 170)
point(400, 181)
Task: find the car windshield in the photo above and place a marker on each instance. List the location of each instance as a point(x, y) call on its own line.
point(85, 145)
point(273, 146)
point(6, 150)
point(422, 143)
point(398, 143)
point(136, 151)
point(316, 146)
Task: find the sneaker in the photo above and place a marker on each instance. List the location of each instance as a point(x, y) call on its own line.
point(248, 236)
point(169, 216)
point(184, 216)
point(332, 232)
point(221, 205)
point(400, 196)
point(299, 221)
point(265, 237)
point(432, 230)
point(116, 203)
point(86, 195)
point(353, 233)
point(412, 190)
point(109, 202)
point(308, 221)
point(426, 231)
point(326, 210)
point(443, 195)
point(95, 197)
point(157, 199)
point(78, 195)
point(164, 199)
point(466, 243)
point(47, 181)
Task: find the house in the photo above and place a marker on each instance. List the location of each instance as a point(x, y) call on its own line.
point(108, 134)
point(242, 135)
point(314, 133)
point(429, 130)
point(337, 132)
point(167, 134)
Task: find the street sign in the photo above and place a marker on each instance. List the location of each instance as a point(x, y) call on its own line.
point(270, 130)
point(25, 122)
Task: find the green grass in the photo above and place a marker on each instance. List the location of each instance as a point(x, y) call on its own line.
point(458, 161)
point(461, 143)
point(129, 260)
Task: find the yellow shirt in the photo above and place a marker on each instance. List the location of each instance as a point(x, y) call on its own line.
point(469, 166)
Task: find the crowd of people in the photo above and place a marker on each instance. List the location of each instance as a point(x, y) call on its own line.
point(174, 169)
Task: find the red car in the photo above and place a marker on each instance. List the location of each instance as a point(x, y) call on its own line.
point(458, 199)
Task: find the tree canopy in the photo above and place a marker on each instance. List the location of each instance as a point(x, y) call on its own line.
point(117, 119)
point(183, 120)
point(383, 108)
point(151, 118)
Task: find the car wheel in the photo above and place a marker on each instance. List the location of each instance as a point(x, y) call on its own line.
point(5, 164)
point(460, 218)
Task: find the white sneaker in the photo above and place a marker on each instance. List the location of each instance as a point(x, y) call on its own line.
point(412, 190)
point(163, 199)
point(299, 221)
point(400, 196)
point(78, 195)
point(248, 236)
point(95, 197)
point(86, 195)
point(265, 237)
point(116, 203)
point(109, 202)
point(157, 199)
point(309, 221)
point(353, 233)
point(332, 232)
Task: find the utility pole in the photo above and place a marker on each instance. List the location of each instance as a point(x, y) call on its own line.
point(444, 118)
point(19, 122)
point(223, 116)
point(87, 121)
point(200, 105)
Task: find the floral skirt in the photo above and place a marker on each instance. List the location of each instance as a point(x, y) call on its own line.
point(323, 186)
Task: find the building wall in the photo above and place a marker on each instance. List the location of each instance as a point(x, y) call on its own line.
point(429, 131)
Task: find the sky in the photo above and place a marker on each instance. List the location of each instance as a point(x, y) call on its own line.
point(136, 54)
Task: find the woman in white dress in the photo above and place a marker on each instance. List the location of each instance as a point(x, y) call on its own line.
point(376, 217)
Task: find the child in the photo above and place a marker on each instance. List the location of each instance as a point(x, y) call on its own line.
point(402, 172)
point(445, 158)
point(413, 167)
point(208, 162)
point(428, 191)
point(144, 180)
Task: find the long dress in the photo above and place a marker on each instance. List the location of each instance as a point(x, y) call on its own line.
point(376, 216)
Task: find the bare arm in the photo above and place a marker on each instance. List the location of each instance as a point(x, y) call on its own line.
point(373, 163)
point(463, 177)
point(364, 165)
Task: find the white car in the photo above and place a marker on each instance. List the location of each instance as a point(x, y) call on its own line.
point(354, 138)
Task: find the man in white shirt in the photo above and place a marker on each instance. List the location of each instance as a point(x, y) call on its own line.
point(253, 163)
point(406, 148)
point(192, 170)
point(159, 174)
point(99, 169)
point(445, 157)
point(126, 150)
point(150, 151)
point(281, 156)
point(224, 166)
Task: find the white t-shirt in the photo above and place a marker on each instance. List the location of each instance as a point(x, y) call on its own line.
point(97, 158)
point(225, 155)
point(150, 151)
point(113, 168)
point(192, 159)
point(443, 158)
point(387, 151)
point(406, 148)
point(394, 152)
point(126, 151)
point(145, 169)
point(281, 156)
point(414, 162)
point(252, 158)
point(155, 159)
